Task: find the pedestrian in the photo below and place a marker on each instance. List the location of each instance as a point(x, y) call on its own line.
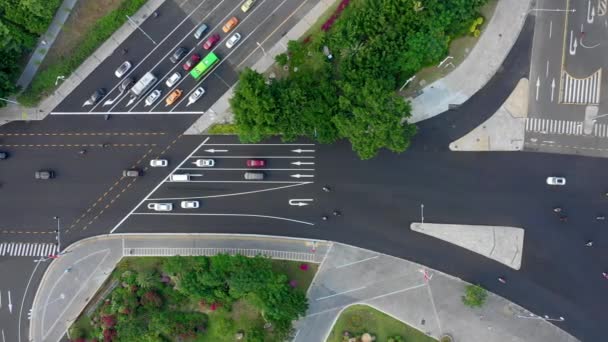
point(589, 243)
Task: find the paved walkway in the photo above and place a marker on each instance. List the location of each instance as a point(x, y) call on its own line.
point(347, 275)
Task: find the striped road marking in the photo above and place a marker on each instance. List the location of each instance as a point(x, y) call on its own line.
point(581, 90)
point(27, 249)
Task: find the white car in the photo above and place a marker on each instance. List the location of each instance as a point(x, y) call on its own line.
point(233, 40)
point(205, 163)
point(556, 180)
point(196, 95)
point(160, 206)
point(153, 97)
point(159, 162)
point(122, 69)
point(189, 204)
point(173, 79)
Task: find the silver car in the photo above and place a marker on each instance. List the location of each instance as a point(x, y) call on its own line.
point(199, 31)
point(196, 95)
point(122, 69)
point(153, 97)
point(233, 40)
point(173, 79)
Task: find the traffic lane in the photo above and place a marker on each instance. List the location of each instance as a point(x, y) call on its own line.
point(17, 273)
point(138, 46)
point(101, 220)
point(251, 151)
point(202, 191)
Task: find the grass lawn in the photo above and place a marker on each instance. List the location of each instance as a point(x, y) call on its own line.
point(459, 49)
point(358, 319)
point(222, 129)
point(84, 15)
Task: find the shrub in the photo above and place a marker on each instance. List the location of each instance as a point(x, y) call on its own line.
point(474, 296)
point(281, 59)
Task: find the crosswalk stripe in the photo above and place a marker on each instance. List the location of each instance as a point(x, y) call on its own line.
point(27, 249)
point(581, 90)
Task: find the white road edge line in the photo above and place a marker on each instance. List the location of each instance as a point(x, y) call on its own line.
point(359, 261)
point(158, 186)
point(207, 169)
point(260, 144)
point(124, 113)
point(252, 181)
point(238, 215)
point(265, 157)
point(227, 195)
point(340, 293)
point(23, 302)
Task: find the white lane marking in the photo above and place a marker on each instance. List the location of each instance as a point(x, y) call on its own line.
point(227, 195)
point(216, 47)
point(125, 113)
point(299, 150)
point(340, 293)
point(3, 338)
point(0, 299)
point(550, 28)
point(10, 304)
point(259, 182)
point(158, 186)
point(237, 215)
point(265, 157)
point(297, 175)
point(212, 150)
point(300, 202)
point(358, 261)
point(240, 169)
point(268, 16)
point(547, 71)
point(270, 35)
point(157, 46)
point(298, 163)
point(286, 144)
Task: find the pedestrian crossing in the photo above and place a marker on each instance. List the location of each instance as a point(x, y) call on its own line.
point(551, 126)
point(581, 90)
point(27, 249)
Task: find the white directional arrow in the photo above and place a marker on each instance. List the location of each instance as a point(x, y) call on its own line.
point(573, 44)
point(10, 304)
point(211, 150)
point(131, 100)
point(537, 86)
point(300, 202)
point(552, 88)
point(302, 163)
point(301, 150)
point(302, 176)
point(590, 12)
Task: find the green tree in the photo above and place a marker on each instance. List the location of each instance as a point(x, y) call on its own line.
point(147, 279)
point(474, 296)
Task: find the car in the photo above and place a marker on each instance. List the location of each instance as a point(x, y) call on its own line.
point(556, 180)
point(256, 163)
point(126, 84)
point(254, 175)
point(95, 97)
point(155, 95)
point(178, 54)
point(211, 41)
point(189, 204)
point(160, 206)
point(247, 5)
point(44, 174)
point(122, 69)
point(230, 24)
point(192, 62)
point(199, 31)
point(174, 78)
point(159, 162)
point(205, 163)
point(196, 95)
point(3, 155)
point(176, 94)
point(233, 40)
point(131, 173)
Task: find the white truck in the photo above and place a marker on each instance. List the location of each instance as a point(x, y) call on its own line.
point(142, 86)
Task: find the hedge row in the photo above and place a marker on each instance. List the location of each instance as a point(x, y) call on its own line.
point(43, 83)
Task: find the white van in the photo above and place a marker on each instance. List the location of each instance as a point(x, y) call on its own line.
point(180, 177)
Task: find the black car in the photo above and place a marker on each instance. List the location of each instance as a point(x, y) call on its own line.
point(95, 97)
point(126, 84)
point(178, 54)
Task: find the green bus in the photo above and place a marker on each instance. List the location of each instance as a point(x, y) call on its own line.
point(204, 66)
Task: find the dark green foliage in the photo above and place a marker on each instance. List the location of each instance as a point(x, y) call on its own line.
point(376, 46)
point(44, 82)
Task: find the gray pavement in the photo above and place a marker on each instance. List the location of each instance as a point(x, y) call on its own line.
point(426, 299)
point(13, 112)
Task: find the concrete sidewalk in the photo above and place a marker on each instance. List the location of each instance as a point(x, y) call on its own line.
point(73, 279)
point(427, 300)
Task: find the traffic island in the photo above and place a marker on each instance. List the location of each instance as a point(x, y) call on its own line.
point(499, 243)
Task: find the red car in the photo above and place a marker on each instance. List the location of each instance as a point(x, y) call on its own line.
point(192, 62)
point(211, 41)
point(256, 163)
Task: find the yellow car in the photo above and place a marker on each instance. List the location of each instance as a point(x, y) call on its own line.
point(176, 94)
point(230, 24)
point(247, 5)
